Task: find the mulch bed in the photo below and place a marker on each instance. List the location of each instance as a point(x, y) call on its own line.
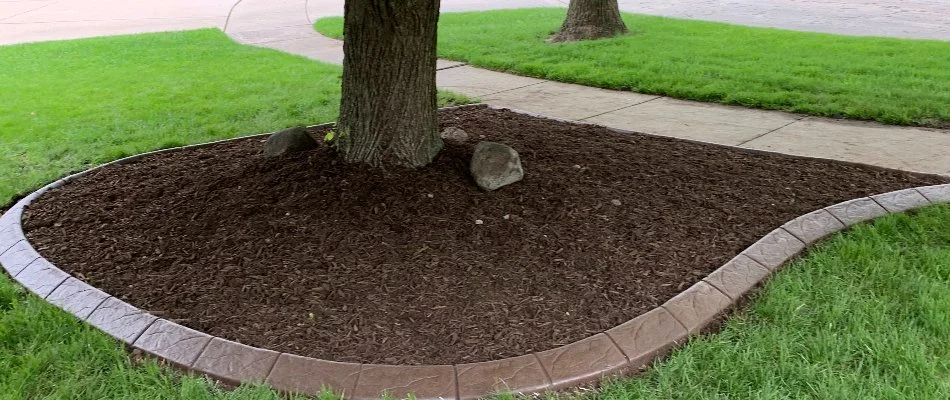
point(307, 255)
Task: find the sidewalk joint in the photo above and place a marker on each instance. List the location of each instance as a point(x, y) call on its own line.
point(508, 90)
point(267, 41)
point(461, 64)
point(109, 20)
point(26, 12)
point(799, 119)
point(231, 11)
point(306, 11)
point(621, 108)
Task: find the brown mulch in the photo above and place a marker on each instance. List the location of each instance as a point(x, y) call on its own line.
point(310, 256)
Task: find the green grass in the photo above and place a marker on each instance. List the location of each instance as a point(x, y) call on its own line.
point(68, 105)
point(47, 354)
point(905, 82)
point(867, 315)
point(65, 106)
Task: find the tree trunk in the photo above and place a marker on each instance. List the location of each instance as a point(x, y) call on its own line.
point(388, 110)
point(591, 19)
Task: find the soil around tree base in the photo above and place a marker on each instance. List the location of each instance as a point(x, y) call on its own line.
point(307, 255)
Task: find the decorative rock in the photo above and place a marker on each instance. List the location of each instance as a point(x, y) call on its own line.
point(455, 135)
point(495, 165)
point(289, 141)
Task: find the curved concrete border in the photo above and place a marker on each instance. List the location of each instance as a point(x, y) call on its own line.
point(628, 347)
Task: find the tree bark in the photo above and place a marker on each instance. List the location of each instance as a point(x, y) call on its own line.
point(388, 110)
point(591, 19)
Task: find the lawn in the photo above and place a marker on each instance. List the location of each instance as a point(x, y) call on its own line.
point(894, 81)
point(867, 315)
point(864, 316)
point(68, 105)
point(65, 106)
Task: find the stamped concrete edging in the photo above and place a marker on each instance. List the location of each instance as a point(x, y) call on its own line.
point(628, 347)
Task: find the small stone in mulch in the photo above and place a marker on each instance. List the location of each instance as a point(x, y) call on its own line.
point(495, 165)
point(288, 141)
point(455, 135)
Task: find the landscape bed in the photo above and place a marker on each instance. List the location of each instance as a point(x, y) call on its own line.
point(309, 256)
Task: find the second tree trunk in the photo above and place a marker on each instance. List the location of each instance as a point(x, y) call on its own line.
point(591, 19)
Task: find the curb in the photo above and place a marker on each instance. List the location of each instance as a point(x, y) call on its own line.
point(628, 347)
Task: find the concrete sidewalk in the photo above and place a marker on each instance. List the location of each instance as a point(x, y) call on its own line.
point(286, 25)
point(35, 20)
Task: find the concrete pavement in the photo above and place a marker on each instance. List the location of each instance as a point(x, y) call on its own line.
point(35, 20)
point(913, 149)
point(921, 19)
point(286, 25)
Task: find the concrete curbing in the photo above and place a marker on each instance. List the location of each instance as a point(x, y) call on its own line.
point(629, 347)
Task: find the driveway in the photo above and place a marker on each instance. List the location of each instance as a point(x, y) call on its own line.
point(37, 20)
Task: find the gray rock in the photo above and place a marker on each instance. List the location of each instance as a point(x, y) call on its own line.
point(289, 141)
point(453, 134)
point(495, 165)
